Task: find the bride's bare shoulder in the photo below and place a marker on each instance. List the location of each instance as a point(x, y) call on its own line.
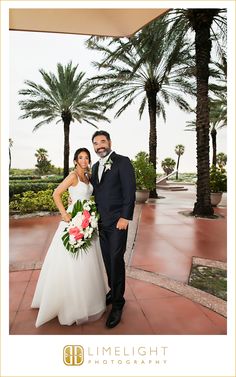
point(72, 178)
point(73, 174)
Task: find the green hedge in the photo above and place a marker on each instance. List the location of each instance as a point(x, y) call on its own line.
point(23, 177)
point(23, 172)
point(31, 201)
point(35, 181)
point(35, 178)
point(26, 182)
point(19, 188)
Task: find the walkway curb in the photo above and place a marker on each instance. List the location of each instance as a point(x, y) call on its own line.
point(206, 299)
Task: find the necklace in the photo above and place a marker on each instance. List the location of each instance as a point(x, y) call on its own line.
point(83, 178)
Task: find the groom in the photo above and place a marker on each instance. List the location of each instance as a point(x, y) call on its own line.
point(113, 180)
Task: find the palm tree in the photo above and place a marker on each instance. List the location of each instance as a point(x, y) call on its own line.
point(221, 159)
point(217, 120)
point(155, 72)
point(41, 154)
point(43, 164)
point(67, 97)
point(10, 146)
point(201, 21)
point(168, 165)
point(179, 150)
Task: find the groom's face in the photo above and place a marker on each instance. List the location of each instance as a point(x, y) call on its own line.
point(101, 145)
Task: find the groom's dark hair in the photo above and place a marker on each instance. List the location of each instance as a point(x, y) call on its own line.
point(101, 132)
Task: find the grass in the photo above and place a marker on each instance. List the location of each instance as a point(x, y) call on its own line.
point(209, 279)
point(183, 177)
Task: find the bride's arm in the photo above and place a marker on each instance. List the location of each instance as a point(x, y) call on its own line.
point(61, 188)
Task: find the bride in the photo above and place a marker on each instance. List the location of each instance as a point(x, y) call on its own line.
point(72, 289)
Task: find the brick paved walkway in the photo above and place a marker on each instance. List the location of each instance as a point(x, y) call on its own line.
point(161, 246)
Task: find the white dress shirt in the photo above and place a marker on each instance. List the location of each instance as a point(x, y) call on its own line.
point(102, 162)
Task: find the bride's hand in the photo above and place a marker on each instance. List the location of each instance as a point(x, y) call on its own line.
point(66, 217)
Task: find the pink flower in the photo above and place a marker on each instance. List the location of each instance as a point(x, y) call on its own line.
point(74, 230)
point(85, 223)
point(78, 236)
point(86, 214)
point(76, 233)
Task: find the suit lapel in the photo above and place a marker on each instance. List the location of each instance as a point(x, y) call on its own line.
point(112, 157)
point(96, 173)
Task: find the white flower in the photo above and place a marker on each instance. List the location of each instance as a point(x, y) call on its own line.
point(80, 243)
point(108, 164)
point(72, 240)
point(94, 223)
point(87, 233)
point(86, 206)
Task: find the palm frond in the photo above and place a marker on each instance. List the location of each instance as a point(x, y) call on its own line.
point(142, 106)
point(45, 121)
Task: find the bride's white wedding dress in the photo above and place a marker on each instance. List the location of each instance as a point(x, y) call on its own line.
point(71, 289)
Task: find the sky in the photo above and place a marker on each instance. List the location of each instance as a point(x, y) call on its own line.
point(29, 52)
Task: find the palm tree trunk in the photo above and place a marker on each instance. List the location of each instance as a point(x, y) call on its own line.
point(66, 147)
point(213, 140)
point(9, 159)
point(201, 21)
point(177, 168)
point(152, 135)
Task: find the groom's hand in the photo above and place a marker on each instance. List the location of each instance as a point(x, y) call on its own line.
point(122, 224)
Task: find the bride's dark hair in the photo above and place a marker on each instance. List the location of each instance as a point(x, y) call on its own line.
point(78, 151)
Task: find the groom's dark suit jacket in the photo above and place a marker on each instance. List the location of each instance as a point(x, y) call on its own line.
point(115, 193)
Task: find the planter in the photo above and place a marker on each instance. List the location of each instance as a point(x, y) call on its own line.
point(216, 198)
point(142, 196)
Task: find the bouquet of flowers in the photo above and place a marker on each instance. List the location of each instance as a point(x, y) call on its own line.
point(82, 228)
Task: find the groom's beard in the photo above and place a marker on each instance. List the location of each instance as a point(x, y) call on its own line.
point(103, 152)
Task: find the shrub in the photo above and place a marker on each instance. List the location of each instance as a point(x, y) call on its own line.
point(31, 201)
point(144, 172)
point(22, 171)
point(19, 188)
point(52, 178)
point(218, 179)
point(23, 177)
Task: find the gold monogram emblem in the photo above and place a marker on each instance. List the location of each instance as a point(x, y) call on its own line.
point(73, 355)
